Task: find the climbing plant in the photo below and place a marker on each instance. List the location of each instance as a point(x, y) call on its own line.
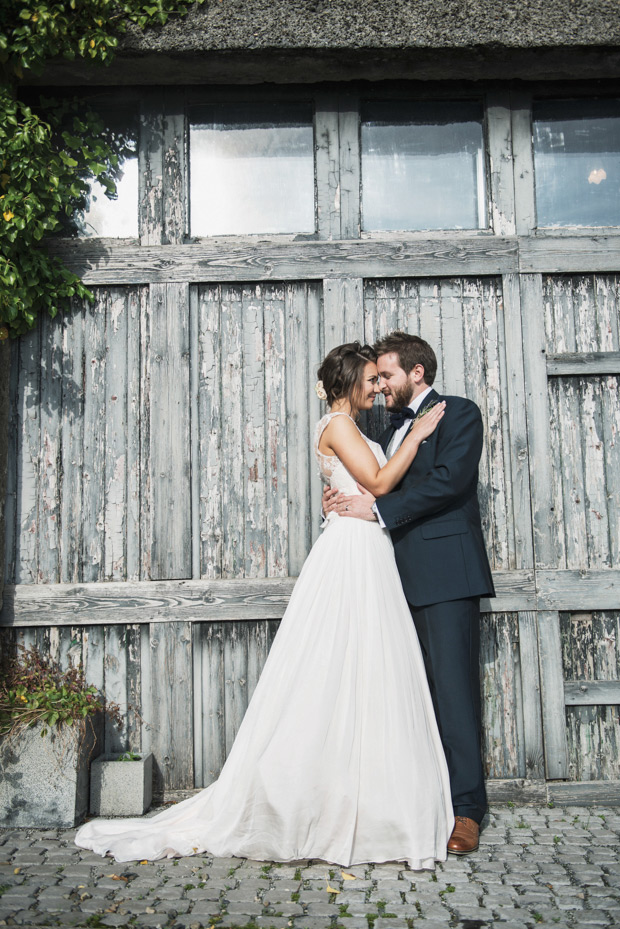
point(52, 149)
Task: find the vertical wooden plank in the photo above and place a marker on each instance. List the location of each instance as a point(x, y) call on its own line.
point(171, 705)
point(453, 354)
point(151, 169)
point(214, 736)
point(10, 511)
point(133, 647)
point(349, 151)
point(501, 696)
point(146, 689)
point(343, 310)
point(537, 408)
point(327, 166)
point(523, 156)
point(315, 353)
point(477, 389)
point(94, 477)
point(210, 468)
point(169, 459)
point(235, 676)
point(496, 439)
point(518, 476)
point(567, 434)
point(607, 300)
point(198, 692)
point(300, 462)
point(276, 450)
point(174, 167)
point(531, 690)
point(430, 323)
point(145, 484)
point(72, 444)
point(116, 435)
point(195, 426)
point(610, 406)
point(499, 131)
point(254, 425)
point(233, 401)
point(115, 671)
point(93, 651)
point(594, 484)
point(135, 299)
point(28, 452)
point(48, 523)
point(552, 681)
point(583, 729)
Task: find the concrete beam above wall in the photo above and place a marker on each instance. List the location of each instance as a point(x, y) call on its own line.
point(308, 65)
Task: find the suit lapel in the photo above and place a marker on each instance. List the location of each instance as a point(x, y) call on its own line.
point(388, 435)
point(429, 399)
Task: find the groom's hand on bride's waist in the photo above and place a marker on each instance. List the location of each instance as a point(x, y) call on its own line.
point(358, 505)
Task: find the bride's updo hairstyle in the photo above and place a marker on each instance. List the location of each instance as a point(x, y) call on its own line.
point(342, 371)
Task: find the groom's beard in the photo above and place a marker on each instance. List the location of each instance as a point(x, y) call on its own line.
point(401, 397)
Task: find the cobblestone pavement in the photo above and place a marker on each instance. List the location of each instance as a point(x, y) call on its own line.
point(535, 866)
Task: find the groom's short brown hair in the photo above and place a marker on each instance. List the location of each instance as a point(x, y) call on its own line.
point(411, 351)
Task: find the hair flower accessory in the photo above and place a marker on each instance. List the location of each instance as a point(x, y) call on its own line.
point(320, 390)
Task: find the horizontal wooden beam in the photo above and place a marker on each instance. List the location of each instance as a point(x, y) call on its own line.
point(232, 259)
point(194, 601)
point(561, 254)
point(583, 364)
point(592, 693)
point(581, 793)
point(515, 790)
point(287, 258)
point(578, 590)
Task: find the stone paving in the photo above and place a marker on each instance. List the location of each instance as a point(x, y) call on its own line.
point(536, 866)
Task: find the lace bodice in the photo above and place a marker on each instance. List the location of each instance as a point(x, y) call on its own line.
point(331, 469)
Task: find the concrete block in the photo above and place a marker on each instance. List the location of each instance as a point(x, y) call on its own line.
point(121, 788)
point(44, 779)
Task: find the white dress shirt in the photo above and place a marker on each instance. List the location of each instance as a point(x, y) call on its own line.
point(397, 438)
point(401, 432)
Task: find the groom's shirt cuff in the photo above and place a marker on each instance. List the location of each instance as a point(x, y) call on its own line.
point(375, 510)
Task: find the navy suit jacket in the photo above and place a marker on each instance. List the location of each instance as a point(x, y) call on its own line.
point(433, 514)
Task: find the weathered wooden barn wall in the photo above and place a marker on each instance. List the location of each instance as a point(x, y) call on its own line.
point(162, 493)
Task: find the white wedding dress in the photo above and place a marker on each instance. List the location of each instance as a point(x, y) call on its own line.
point(338, 756)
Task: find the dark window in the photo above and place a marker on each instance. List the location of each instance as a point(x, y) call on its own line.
point(423, 166)
point(577, 162)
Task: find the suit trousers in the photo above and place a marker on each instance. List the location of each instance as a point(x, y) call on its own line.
point(449, 635)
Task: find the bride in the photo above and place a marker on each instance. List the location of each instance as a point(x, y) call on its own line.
point(338, 756)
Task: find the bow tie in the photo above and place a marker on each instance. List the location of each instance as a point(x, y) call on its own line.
point(398, 419)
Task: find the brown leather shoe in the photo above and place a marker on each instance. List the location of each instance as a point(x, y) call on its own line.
point(464, 838)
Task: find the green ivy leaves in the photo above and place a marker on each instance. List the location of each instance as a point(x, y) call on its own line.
point(50, 150)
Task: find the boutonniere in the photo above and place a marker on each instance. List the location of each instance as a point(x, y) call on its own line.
point(423, 412)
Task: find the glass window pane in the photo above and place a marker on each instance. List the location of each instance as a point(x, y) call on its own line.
point(251, 170)
point(423, 166)
point(577, 162)
point(115, 218)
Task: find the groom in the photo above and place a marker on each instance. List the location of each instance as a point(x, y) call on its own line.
point(434, 520)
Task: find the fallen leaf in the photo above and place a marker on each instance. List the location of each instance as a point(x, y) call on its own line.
point(348, 877)
point(85, 896)
point(143, 862)
point(332, 890)
point(16, 870)
point(149, 910)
